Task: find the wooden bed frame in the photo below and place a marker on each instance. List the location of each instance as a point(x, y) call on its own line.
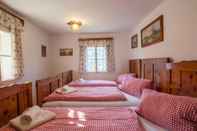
point(153, 69)
point(14, 99)
point(45, 87)
point(180, 80)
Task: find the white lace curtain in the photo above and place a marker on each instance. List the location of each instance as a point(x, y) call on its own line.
point(107, 43)
point(15, 26)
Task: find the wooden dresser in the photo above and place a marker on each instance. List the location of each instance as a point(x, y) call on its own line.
point(14, 99)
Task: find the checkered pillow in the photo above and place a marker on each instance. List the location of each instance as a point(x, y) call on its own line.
point(168, 111)
point(136, 86)
point(188, 112)
point(124, 77)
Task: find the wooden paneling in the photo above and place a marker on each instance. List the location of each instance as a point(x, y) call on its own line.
point(135, 67)
point(14, 100)
point(184, 78)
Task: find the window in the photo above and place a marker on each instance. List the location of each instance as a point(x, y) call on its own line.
point(96, 59)
point(11, 55)
point(6, 56)
point(96, 55)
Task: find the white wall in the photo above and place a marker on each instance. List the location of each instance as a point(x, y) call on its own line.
point(70, 40)
point(35, 66)
point(180, 29)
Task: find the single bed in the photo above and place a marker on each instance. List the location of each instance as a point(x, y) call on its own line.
point(94, 119)
point(88, 96)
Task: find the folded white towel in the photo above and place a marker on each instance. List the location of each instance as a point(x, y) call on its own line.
point(66, 90)
point(81, 80)
point(29, 115)
point(42, 117)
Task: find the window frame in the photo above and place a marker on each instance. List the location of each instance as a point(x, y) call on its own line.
point(96, 60)
point(8, 81)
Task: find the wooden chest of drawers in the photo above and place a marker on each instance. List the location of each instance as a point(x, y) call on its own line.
point(14, 100)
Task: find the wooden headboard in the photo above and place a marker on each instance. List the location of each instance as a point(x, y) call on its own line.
point(42, 89)
point(45, 87)
point(14, 99)
point(66, 77)
point(153, 69)
point(135, 67)
point(184, 78)
point(180, 80)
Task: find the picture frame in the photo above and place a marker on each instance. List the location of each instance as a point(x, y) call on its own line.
point(153, 33)
point(134, 41)
point(43, 51)
point(66, 52)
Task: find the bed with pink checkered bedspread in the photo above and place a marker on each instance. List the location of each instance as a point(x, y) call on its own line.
point(90, 119)
point(89, 94)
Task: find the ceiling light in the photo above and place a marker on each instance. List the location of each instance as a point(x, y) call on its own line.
point(74, 25)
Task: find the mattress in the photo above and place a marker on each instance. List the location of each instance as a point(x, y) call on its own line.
point(131, 101)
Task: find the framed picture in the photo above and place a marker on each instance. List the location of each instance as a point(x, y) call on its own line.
point(66, 52)
point(43, 51)
point(134, 41)
point(153, 33)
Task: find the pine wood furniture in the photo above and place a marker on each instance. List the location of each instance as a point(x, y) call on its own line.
point(14, 99)
point(46, 86)
point(180, 80)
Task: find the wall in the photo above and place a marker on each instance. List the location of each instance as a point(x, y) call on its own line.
point(35, 66)
point(180, 31)
point(70, 40)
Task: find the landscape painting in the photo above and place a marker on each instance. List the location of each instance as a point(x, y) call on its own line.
point(153, 33)
point(66, 52)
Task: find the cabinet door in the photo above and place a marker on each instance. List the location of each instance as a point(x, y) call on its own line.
point(8, 109)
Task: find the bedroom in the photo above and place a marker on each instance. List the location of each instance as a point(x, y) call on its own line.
point(49, 46)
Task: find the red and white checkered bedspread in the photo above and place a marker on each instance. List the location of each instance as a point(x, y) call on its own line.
point(91, 119)
point(89, 94)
